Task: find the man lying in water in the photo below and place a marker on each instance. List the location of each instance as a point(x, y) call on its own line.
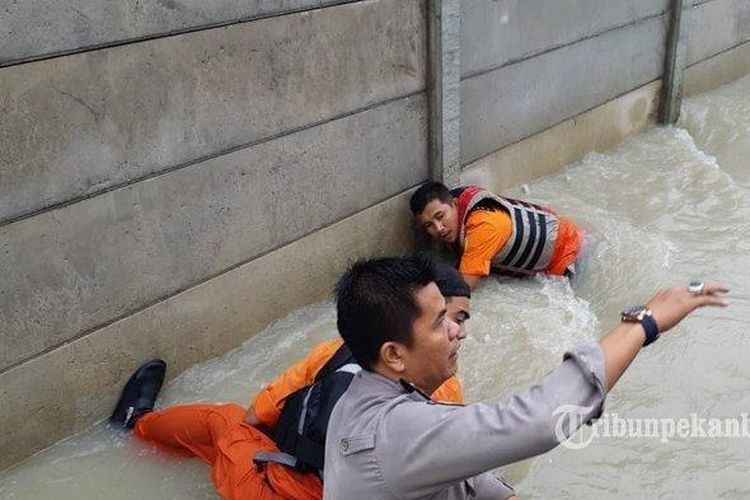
point(387, 439)
point(238, 445)
point(490, 232)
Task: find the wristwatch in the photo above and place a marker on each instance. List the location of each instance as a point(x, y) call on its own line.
point(642, 315)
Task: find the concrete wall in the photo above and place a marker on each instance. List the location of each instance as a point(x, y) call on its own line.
point(716, 26)
point(151, 190)
point(544, 62)
point(99, 119)
point(534, 72)
point(37, 29)
point(176, 174)
point(718, 44)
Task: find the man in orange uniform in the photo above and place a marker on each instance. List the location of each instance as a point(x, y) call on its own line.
point(494, 233)
point(228, 437)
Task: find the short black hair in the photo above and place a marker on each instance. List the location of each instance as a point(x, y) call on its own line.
point(450, 282)
point(426, 193)
point(376, 303)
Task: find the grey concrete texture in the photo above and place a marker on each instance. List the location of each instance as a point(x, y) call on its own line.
point(445, 90)
point(80, 124)
point(716, 26)
point(718, 70)
point(68, 389)
point(501, 107)
point(495, 32)
point(545, 153)
point(674, 62)
point(35, 28)
point(70, 270)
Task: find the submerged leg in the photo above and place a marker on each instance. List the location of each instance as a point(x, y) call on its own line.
point(191, 429)
point(217, 434)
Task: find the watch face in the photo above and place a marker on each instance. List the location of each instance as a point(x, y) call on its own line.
point(633, 310)
point(633, 313)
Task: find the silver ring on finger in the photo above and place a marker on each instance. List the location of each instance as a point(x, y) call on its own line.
point(696, 287)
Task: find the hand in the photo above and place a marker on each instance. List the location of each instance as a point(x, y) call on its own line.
point(671, 305)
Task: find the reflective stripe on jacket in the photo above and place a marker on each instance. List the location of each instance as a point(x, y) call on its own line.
point(534, 229)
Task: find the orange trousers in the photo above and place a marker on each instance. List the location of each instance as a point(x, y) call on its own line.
point(217, 435)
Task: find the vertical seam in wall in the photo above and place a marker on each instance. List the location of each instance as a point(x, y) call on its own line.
point(146, 38)
point(174, 293)
point(532, 55)
point(212, 156)
point(430, 86)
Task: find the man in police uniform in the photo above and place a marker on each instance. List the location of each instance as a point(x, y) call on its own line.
point(386, 439)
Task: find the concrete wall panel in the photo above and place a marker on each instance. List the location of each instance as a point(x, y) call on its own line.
point(717, 70)
point(71, 387)
point(76, 125)
point(506, 105)
point(496, 32)
point(545, 153)
point(36, 28)
point(68, 270)
point(716, 26)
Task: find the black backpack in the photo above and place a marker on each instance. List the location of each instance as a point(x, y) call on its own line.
point(301, 430)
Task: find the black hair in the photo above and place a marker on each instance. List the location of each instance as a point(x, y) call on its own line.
point(376, 303)
point(426, 193)
point(450, 282)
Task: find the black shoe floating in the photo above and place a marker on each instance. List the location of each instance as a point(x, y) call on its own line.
point(139, 394)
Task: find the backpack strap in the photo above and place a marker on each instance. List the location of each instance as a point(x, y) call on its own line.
point(279, 457)
point(301, 428)
point(343, 356)
point(310, 454)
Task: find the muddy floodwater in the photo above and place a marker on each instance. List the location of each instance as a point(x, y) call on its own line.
point(661, 208)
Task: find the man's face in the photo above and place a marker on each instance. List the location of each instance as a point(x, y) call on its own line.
point(440, 220)
point(433, 357)
point(458, 311)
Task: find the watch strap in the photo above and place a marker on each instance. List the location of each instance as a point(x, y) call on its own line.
point(651, 328)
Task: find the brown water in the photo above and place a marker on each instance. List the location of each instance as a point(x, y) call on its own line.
point(666, 206)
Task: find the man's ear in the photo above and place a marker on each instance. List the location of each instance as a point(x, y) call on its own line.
point(392, 355)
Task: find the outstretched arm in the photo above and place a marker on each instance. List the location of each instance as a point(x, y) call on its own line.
point(527, 424)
